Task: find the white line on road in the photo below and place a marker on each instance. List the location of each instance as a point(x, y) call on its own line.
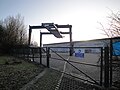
point(64, 68)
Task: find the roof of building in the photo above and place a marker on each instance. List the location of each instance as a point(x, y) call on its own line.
point(84, 41)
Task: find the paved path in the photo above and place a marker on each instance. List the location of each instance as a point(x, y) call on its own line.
point(64, 68)
point(34, 80)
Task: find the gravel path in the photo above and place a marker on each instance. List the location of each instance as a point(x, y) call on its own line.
point(69, 83)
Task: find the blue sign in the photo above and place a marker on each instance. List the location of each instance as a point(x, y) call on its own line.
point(80, 54)
point(116, 49)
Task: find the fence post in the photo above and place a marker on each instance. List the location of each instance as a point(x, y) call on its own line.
point(111, 51)
point(28, 53)
point(101, 68)
point(23, 52)
point(32, 54)
point(48, 56)
point(40, 55)
point(106, 67)
point(40, 48)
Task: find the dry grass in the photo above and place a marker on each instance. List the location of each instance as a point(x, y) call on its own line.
point(14, 75)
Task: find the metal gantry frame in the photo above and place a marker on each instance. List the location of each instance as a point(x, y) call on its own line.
point(47, 33)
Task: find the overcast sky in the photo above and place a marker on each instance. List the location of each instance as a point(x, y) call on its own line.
point(83, 15)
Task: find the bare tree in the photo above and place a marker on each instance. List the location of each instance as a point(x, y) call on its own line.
point(15, 30)
point(113, 29)
point(1, 33)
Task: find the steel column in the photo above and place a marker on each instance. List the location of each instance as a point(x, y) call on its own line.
point(40, 48)
point(71, 44)
point(48, 56)
point(30, 31)
point(101, 68)
point(106, 65)
point(111, 51)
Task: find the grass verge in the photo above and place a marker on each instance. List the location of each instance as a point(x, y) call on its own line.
point(14, 75)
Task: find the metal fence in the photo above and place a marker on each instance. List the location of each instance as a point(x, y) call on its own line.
point(89, 64)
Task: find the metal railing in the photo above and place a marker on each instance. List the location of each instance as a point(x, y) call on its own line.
point(45, 56)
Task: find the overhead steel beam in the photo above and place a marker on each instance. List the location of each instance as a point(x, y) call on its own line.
point(37, 27)
point(58, 26)
point(63, 26)
point(54, 27)
point(51, 33)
